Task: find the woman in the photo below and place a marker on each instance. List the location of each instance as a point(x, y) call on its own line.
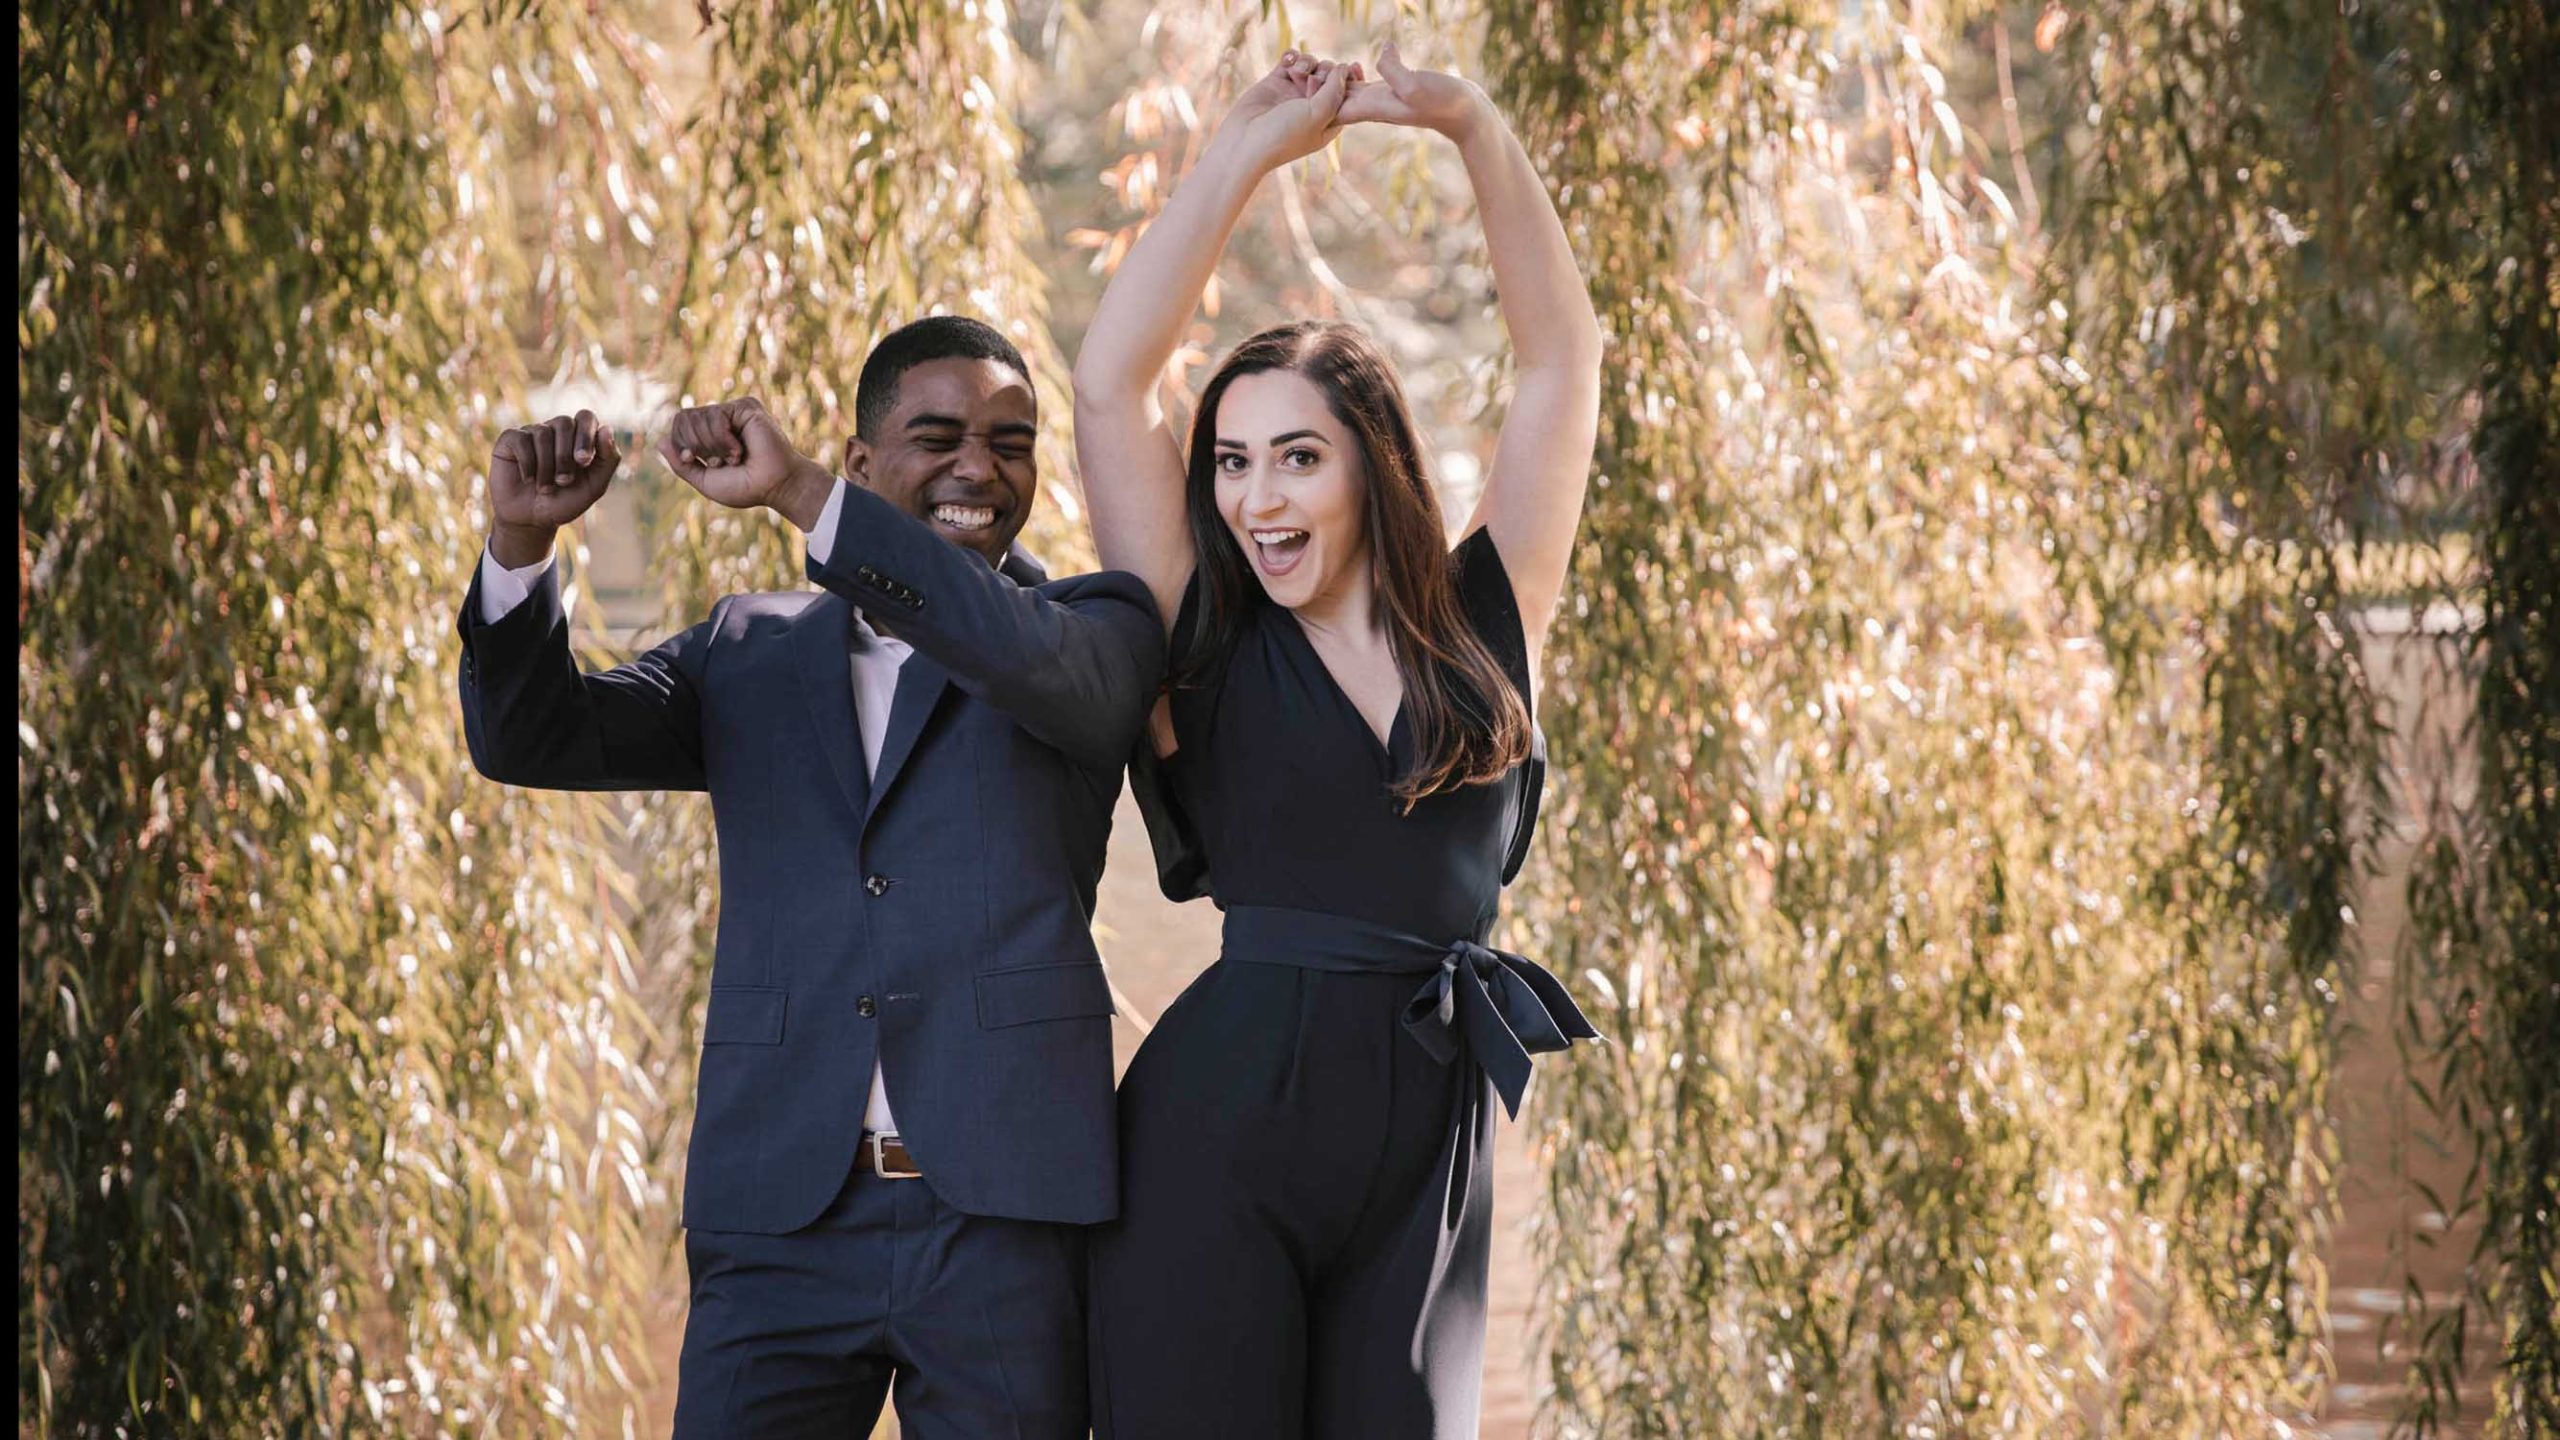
point(1345, 764)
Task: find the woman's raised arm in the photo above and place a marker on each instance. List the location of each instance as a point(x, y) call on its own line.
point(1126, 452)
point(1542, 463)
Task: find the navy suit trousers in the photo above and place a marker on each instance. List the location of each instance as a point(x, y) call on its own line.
point(976, 1323)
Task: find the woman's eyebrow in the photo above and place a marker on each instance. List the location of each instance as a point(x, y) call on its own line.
point(1227, 444)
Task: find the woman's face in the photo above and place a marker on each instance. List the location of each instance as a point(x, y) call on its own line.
point(1291, 486)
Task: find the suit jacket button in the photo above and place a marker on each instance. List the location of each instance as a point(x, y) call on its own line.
point(877, 884)
point(864, 1008)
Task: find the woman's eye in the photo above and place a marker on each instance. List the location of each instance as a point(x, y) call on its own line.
point(1231, 464)
point(1301, 458)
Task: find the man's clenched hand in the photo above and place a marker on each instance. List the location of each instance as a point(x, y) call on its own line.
point(543, 476)
point(735, 453)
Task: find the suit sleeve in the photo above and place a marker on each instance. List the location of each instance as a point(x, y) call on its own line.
point(533, 718)
point(1076, 668)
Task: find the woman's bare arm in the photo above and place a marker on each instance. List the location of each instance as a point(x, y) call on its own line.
point(1126, 451)
point(1532, 499)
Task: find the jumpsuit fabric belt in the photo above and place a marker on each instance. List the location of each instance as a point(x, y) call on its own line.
point(1487, 1005)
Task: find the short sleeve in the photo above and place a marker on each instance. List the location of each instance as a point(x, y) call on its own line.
point(1492, 607)
point(1182, 862)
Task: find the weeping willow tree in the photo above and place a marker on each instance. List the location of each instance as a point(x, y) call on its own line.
point(2315, 250)
point(325, 1090)
point(350, 1081)
point(1969, 762)
point(2223, 446)
point(1964, 760)
point(2498, 1025)
point(2470, 175)
point(1966, 1082)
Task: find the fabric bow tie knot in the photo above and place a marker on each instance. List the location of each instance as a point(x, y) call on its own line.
point(1502, 1008)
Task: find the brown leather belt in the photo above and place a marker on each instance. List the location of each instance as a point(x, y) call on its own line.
point(886, 1156)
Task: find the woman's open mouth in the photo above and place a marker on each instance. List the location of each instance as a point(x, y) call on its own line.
point(965, 518)
point(1278, 551)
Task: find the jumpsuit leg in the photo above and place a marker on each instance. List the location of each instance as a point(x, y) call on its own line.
point(1396, 1349)
point(1287, 1263)
point(1240, 1171)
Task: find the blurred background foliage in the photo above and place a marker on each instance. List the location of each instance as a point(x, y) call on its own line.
point(2067, 473)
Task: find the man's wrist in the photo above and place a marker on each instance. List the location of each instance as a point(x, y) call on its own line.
point(802, 496)
point(516, 546)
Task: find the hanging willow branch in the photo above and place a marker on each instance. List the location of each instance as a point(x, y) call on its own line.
point(1962, 1085)
point(2308, 241)
point(2471, 174)
point(326, 1092)
point(260, 932)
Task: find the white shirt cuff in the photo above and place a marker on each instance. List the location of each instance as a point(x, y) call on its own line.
point(502, 589)
point(822, 539)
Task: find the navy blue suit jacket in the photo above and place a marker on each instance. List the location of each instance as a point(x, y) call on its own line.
point(936, 915)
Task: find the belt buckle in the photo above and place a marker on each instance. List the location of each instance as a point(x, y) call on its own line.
point(880, 1141)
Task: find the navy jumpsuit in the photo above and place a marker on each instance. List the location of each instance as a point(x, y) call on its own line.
point(1306, 1136)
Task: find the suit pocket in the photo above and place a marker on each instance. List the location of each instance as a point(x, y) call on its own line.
point(1042, 992)
point(744, 1015)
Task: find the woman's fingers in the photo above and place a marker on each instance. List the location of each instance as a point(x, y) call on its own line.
point(1337, 83)
point(1374, 100)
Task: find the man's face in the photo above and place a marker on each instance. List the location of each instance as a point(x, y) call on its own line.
point(956, 453)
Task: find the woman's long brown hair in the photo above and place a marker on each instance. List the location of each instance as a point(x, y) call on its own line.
point(1470, 723)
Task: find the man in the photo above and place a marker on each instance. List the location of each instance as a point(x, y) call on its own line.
point(905, 1109)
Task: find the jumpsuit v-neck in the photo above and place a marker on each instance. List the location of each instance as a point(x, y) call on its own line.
point(1306, 1137)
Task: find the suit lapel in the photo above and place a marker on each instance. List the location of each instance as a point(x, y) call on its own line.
point(818, 639)
point(921, 685)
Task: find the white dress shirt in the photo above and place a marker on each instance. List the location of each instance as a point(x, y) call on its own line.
point(876, 657)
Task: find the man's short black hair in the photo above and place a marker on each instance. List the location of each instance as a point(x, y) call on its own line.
point(936, 337)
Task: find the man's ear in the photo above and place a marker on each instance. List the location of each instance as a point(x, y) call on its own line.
point(857, 461)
